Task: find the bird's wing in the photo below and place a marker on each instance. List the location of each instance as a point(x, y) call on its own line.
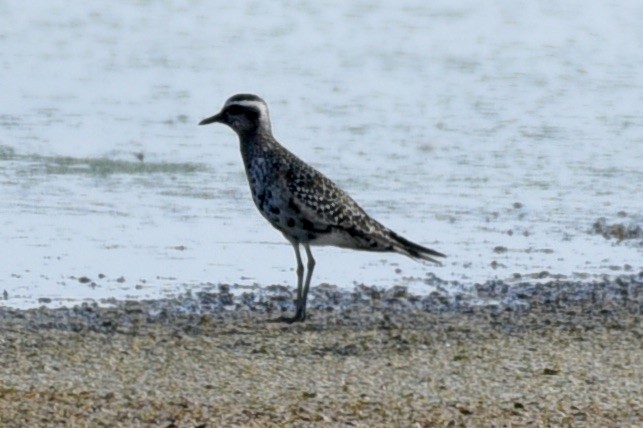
point(325, 204)
point(327, 207)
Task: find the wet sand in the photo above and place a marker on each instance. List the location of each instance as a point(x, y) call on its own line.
point(363, 359)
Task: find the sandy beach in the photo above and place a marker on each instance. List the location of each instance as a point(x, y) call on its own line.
point(372, 360)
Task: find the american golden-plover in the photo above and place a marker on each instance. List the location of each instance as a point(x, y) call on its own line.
point(299, 201)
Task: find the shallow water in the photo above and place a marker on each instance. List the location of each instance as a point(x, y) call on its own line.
point(495, 134)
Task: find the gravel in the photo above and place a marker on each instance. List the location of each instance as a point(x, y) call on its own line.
point(557, 353)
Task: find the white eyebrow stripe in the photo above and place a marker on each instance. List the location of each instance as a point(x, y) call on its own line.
point(248, 103)
point(262, 107)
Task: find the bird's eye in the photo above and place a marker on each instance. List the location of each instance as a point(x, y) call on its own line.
point(235, 110)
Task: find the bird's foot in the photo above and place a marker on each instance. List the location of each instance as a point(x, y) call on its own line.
point(299, 317)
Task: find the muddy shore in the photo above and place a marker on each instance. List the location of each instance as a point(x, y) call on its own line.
point(559, 353)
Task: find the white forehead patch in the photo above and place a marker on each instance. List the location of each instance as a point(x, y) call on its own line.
point(261, 106)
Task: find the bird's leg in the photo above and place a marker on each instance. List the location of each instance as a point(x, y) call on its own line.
point(300, 276)
point(300, 289)
point(301, 309)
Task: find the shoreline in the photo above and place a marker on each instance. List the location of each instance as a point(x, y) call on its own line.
point(367, 358)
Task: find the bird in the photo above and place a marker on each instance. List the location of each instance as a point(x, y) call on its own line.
point(299, 201)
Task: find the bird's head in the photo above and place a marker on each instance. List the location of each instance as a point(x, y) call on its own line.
point(244, 113)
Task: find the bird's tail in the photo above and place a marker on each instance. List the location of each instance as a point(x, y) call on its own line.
point(411, 249)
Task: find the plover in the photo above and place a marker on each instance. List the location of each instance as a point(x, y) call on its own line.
point(299, 201)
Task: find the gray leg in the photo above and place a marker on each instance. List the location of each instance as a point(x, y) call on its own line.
point(302, 286)
point(300, 276)
point(301, 312)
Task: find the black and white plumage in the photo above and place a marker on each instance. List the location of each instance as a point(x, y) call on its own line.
point(299, 201)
